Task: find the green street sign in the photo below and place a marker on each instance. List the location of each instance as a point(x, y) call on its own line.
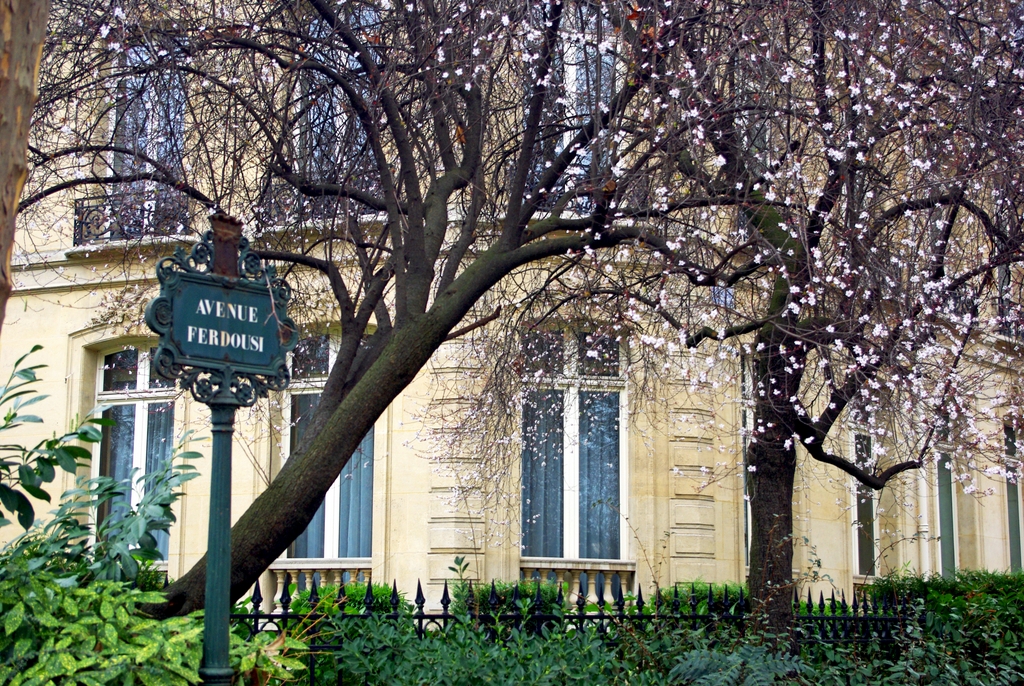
point(223, 323)
point(217, 324)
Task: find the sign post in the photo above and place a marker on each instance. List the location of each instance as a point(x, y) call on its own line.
point(224, 333)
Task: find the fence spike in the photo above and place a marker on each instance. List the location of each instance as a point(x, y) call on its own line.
point(620, 600)
point(395, 600)
point(561, 597)
point(537, 599)
point(420, 599)
point(796, 601)
point(810, 603)
point(727, 608)
point(368, 598)
point(446, 599)
point(693, 599)
point(821, 603)
point(492, 600)
point(832, 603)
point(711, 601)
point(842, 602)
point(314, 595)
point(640, 599)
point(286, 598)
point(257, 598)
point(874, 602)
point(167, 579)
point(581, 596)
point(855, 603)
point(599, 592)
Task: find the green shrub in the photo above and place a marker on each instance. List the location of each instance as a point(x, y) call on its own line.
point(56, 632)
point(699, 590)
point(378, 651)
point(353, 601)
point(505, 592)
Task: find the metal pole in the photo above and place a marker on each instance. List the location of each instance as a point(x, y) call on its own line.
point(216, 667)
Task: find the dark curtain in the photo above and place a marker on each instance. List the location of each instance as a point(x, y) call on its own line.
point(310, 543)
point(117, 453)
point(355, 510)
point(542, 473)
point(599, 475)
point(159, 444)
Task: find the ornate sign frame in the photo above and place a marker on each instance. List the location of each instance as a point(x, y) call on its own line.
point(222, 381)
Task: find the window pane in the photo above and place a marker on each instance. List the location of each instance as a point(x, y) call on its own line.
point(865, 525)
point(599, 475)
point(947, 525)
point(543, 352)
point(159, 442)
point(542, 474)
point(117, 451)
point(119, 370)
point(599, 355)
point(310, 543)
point(311, 357)
point(865, 531)
point(355, 510)
point(155, 380)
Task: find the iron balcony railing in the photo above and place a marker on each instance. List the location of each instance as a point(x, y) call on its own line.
point(130, 216)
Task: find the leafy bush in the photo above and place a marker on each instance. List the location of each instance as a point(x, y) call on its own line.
point(505, 593)
point(699, 591)
point(352, 602)
point(60, 632)
point(378, 651)
point(749, 665)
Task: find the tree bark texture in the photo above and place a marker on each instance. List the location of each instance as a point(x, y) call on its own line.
point(772, 457)
point(22, 30)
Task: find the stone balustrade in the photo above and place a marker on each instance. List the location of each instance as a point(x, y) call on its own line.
point(301, 570)
point(569, 571)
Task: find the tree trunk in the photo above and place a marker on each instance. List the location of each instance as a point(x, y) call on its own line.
point(771, 533)
point(772, 457)
point(22, 29)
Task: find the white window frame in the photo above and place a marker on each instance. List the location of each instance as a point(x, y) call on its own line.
point(571, 383)
point(332, 500)
point(141, 398)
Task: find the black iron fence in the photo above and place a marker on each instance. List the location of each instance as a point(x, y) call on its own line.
point(864, 620)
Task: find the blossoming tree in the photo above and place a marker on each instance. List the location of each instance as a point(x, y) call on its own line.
point(829, 187)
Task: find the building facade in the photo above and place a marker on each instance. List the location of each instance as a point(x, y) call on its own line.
point(616, 482)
